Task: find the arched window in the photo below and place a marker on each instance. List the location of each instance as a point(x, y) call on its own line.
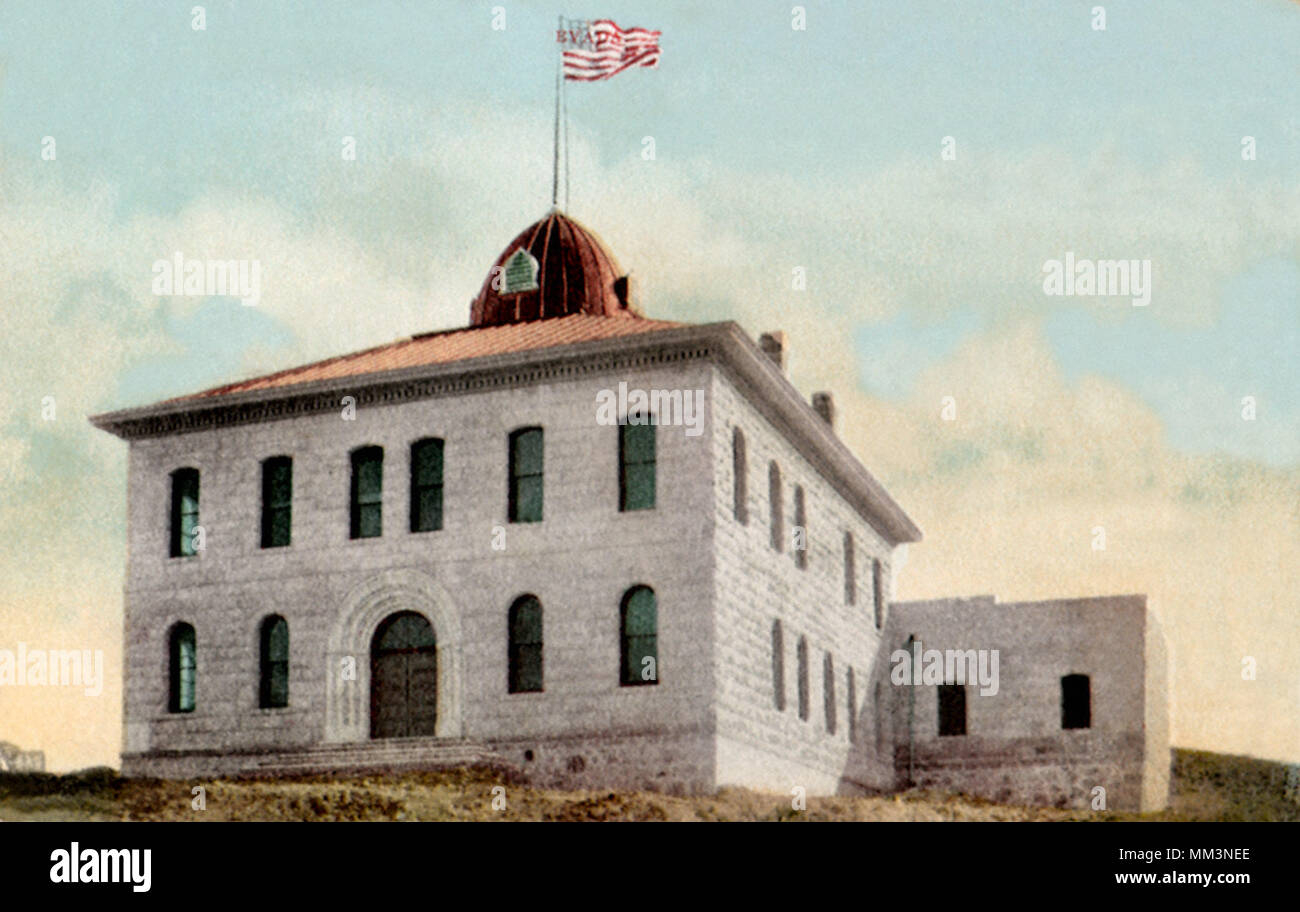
point(274, 686)
point(638, 635)
point(367, 514)
point(852, 704)
point(182, 666)
point(525, 651)
point(184, 511)
point(801, 657)
point(740, 476)
point(1076, 701)
point(520, 273)
point(850, 571)
point(277, 501)
point(526, 475)
point(426, 485)
point(952, 709)
point(800, 530)
point(636, 466)
point(828, 693)
point(774, 501)
point(778, 665)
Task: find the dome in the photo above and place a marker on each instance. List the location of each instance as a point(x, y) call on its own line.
point(555, 267)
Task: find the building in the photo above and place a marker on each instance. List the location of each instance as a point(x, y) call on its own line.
point(14, 759)
point(466, 547)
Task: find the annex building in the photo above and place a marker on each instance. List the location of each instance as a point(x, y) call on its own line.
point(603, 549)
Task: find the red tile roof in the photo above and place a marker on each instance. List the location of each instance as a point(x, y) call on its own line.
point(451, 345)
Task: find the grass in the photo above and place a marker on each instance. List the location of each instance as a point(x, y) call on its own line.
point(1205, 786)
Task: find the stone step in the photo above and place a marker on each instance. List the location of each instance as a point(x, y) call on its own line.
point(413, 753)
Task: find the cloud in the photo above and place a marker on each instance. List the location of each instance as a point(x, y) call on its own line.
point(359, 253)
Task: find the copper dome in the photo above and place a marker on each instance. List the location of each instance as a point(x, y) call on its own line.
point(572, 272)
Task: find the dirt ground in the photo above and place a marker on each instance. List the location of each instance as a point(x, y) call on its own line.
point(1205, 787)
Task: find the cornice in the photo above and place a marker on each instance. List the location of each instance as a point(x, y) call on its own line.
point(725, 344)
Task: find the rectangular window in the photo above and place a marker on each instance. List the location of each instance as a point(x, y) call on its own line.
point(878, 590)
point(277, 497)
point(775, 506)
point(1076, 702)
point(740, 477)
point(367, 492)
point(426, 485)
point(526, 475)
point(778, 666)
point(800, 530)
point(952, 709)
point(852, 706)
point(828, 693)
point(850, 571)
point(184, 512)
point(801, 656)
point(636, 461)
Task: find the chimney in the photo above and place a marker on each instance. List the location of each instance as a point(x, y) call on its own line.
point(824, 404)
point(773, 345)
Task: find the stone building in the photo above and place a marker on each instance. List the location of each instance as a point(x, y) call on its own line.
point(607, 550)
point(14, 759)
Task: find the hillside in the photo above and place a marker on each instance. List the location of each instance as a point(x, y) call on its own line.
point(1205, 786)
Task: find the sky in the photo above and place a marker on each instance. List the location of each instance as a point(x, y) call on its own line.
point(776, 151)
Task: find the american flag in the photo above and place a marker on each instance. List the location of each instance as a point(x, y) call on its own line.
point(609, 50)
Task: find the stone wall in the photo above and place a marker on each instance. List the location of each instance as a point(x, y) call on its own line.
point(759, 745)
point(579, 561)
point(1015, 748)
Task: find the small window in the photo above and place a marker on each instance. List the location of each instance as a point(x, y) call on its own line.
point(850, 571)
point(274, 687)
point(184, 512)
point(526, 475)
point(183, 665)
point(800, 530)
point(525, 633)
point(774, 501)
point(520, 273)
point(1076, 701)
point(367, 492)
point(801, 657)
point(952, 709)
point(828, 693)
point(878, 718)
point(851, 704)
point(740, 477)
point(426, 485)
point(638, 634)
point(636, 463)
point(277, 501)
point(778, 666)
point(878, 591)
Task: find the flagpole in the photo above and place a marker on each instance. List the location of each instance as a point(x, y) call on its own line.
point(555, 151)
point(564, 97)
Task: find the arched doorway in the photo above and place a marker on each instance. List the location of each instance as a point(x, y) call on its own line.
point(403, 677)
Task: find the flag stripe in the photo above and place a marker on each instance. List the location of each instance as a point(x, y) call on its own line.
point(612, 51)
